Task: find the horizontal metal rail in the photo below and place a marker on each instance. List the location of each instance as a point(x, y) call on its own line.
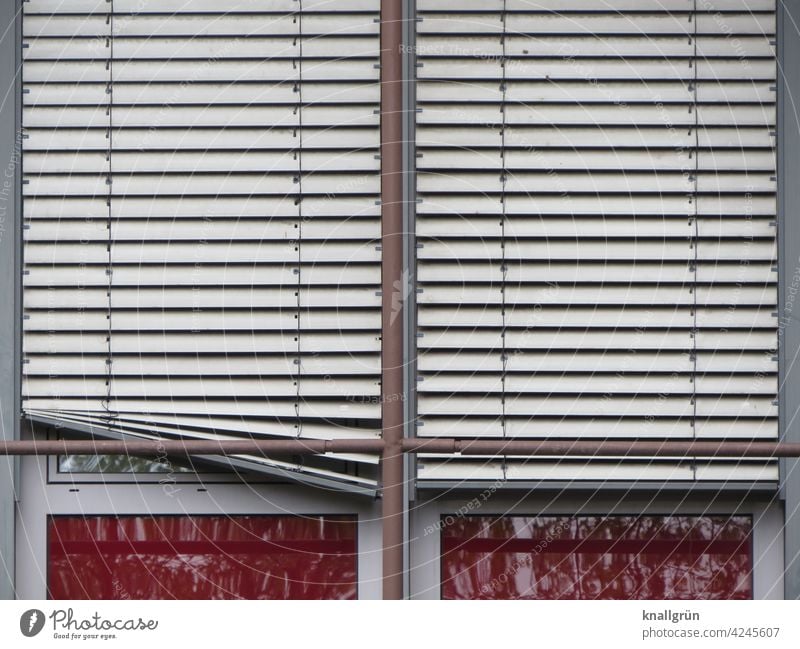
point(485, 447)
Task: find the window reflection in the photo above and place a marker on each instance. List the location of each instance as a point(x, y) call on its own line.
point(202, 557)
point(117, 464)
point(597, 557)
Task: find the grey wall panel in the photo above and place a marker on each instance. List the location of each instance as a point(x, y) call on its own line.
point(789, 203)
point(10, 260)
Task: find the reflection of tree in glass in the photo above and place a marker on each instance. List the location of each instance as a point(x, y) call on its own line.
point(117, 464)
point(594, 557)
point(203, 557)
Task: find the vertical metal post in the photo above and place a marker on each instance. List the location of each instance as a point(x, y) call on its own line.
point(395, 289)
point(788, 143)
point(10, 260)
point(410, 263)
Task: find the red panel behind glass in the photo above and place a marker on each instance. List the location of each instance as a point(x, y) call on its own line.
point(595, 557)
point(202, 557)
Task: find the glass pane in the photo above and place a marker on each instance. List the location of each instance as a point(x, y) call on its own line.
point(202, 557)
point(117, 464)
point(597, 557)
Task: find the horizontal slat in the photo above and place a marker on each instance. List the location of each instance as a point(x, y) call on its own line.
point(643, 385)
point(586, 427)
point(211, 387)
point(492, 470)
point(588, 405)
point(553, 227)
point(203, 343)
point(251, 319)
point(599, 250)
point(189, 184)
point(206, 230)
point(642, 205)
point(201, 274)
point(157, 117)
point(592, 361)
point(188, 47)
point(192, 162)
point(241, 407)
point(199, 298)
point(199, 139)
point(642, 273)
point(195, 6)
point(441, 160)
point(581, 45)
point(185, 252)
point(625, 94)
point(732, 296)
point(609, 23)
point(600, 316)
point(178, 71)
point(576, 182)
point(320, 365)
point(590, 115)
point(566, 69)
point(540, 338)
point(162, 94)
point(236, 25)
point(566, 6)
point(155, 207)
point(592, 137)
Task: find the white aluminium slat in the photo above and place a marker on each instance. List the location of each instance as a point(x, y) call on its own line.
point(438, 159)
point(166, 116)
point(190, 25)
point(561, 6)
point(587, 24)
point(628, 428)
point(448, 227)
point(190, 184)
point(175, 140)
point(200, 343)
point(159, 206)
point(214, 387)
point(599, 69)
point(231, 230)
point(480, 137)
point(733, 296)
point(599, 316)
point(194, 6)
point(207, 320)
point(601, 250)
point(574, 46)
point(207, 93)
point(194, 162)
point(589, 115)
point(490, 272)
point(177, 71)
point(199, 274)
point(200, 298)
point(554, 339)
point(346, 364)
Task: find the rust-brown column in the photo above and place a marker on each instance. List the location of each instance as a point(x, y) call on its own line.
point(393, 294)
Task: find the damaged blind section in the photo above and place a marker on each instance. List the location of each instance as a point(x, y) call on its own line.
point(201, 185)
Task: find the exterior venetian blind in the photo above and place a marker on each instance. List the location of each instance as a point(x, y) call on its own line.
point(596, 230)
point(202, 221)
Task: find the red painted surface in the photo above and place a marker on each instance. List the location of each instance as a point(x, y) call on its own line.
point(596, 557)
point(202, 557)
